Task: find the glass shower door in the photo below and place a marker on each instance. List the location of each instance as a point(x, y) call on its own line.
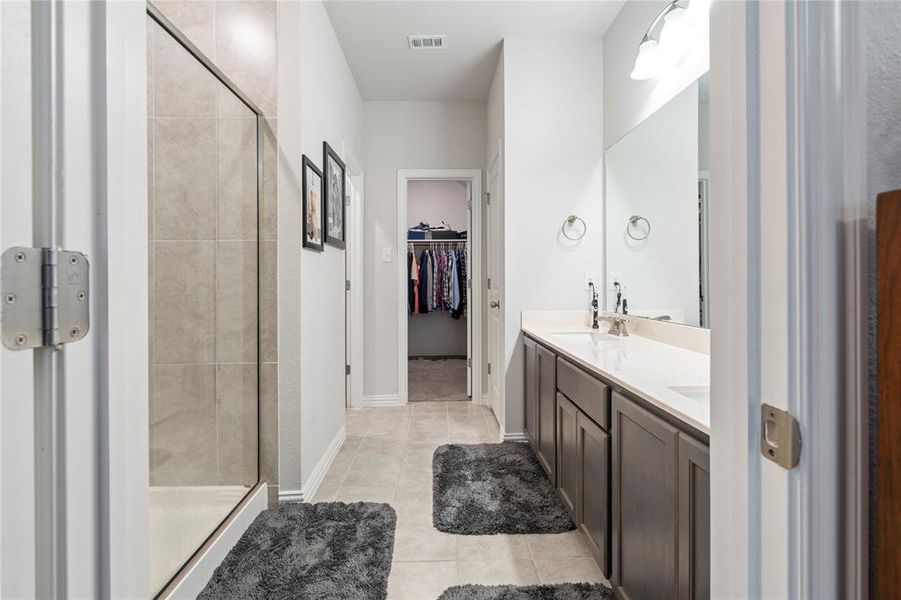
point(203, 247)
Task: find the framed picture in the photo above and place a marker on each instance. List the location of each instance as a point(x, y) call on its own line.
point(334, 170)
point(313, 210)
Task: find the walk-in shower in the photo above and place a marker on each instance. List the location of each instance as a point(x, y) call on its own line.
point(204, 191)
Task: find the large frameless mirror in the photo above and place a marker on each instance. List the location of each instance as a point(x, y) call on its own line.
point(657, 201)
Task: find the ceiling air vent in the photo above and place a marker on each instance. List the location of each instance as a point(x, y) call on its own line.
point(427, 42)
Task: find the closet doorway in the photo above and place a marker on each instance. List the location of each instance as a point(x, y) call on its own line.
point(439, 298)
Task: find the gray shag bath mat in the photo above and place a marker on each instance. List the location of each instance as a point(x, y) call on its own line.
point(483, 489)
point(563, 591)
point(329, 550)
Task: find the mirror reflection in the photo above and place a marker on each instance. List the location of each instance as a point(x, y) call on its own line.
point(657, 197)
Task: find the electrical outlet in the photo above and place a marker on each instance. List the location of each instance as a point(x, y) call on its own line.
point(591, 277)
point(613, 277)
point(387, 254)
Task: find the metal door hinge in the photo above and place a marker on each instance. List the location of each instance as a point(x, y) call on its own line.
point(489, 283)
point(347, 284)
point(468, 362)
point(489, 368)
point(487, 197)
point(780, 436)
point(347, 369)
point(469, 204)
point(469, 283)
point(46, 297)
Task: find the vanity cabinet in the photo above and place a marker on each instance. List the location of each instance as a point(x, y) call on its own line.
point(531, 392)
point(540, 387)
point(661, 507)
point(568, 454)
point(583, 456)
point(645, 512)
point(694, 518)
point(547, 410)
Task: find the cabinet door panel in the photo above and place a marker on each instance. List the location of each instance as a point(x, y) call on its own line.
point(531, 392)
point(645, 456)
point(593, 506)
point(694, 519)
point(547, 410)
point(568, 454)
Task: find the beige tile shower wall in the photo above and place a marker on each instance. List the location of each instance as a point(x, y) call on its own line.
point(207, 239)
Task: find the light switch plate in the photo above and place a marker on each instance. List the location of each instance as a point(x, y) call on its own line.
point(387, 254)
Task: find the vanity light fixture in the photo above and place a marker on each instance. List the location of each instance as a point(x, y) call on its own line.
point(678, 29)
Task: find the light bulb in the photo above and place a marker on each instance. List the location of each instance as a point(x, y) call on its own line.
point(648, 62)
point(675, 36)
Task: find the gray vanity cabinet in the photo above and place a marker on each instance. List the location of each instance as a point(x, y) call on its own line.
point(593, 504)
point(540, 397)
point(531, 392)
point(568, 454)
point(547, 410)
point(694, 519)
point(645, 503)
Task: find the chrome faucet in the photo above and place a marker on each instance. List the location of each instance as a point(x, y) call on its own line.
point(594, 306)
point(618, 327)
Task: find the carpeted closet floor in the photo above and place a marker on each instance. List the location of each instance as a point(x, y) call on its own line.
point(437, 380)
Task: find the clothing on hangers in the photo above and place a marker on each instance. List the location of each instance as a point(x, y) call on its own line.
point(437, 280)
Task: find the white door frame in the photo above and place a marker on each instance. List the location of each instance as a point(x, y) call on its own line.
point(474, 298)
point(354, 320)
point(785, 218)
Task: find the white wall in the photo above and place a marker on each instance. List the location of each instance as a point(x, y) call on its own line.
point(289, 235)
point(652, 172)
point(311, 284)
point(553, 112)
point(436, 201)
point(628, 102)
point(403, 135)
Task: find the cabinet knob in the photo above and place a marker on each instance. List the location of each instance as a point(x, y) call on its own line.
point(494, 304)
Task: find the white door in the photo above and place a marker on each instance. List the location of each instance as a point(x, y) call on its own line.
point(495, 328)
point(73, 418)
point(17, 464)
point(348, 269)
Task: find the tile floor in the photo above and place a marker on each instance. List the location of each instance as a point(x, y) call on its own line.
point(388, 458)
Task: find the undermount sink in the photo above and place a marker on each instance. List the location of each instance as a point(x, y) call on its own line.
point(581, 336)
point(697, 393)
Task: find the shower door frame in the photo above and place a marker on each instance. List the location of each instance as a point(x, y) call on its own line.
point(250, 501)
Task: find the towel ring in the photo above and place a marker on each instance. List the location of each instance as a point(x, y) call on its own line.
point(570, 220)
point(635, 220)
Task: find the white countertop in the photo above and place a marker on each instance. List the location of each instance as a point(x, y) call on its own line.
point(671, 378)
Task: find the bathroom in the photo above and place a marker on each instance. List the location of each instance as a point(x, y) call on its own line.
point(648, 366)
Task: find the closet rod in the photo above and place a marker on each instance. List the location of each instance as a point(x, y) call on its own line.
point(437, 241)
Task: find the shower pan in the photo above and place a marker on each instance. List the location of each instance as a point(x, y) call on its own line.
point(204, 189)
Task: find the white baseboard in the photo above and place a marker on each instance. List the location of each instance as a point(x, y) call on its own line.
point(382, 400)
point(515, 437)
point(191, 581)
point(290, 495)
point(309, 489)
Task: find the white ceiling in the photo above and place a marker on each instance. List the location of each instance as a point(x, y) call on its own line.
point(373, 34)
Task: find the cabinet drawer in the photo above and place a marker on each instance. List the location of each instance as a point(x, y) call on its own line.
point(586, 392)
